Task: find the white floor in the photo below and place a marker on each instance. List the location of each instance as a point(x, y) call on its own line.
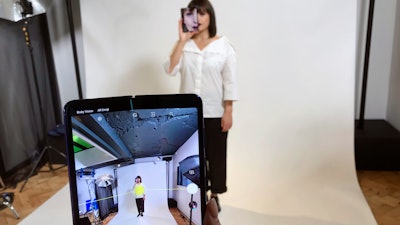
point(52, 212)
point(56, 210)
point(232, 215)
point(335, 204)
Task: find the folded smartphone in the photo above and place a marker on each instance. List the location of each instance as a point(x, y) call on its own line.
point(189, 20)
point(136, 160)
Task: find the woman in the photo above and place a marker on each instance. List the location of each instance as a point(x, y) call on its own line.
point(140, 194)
point(207, 65)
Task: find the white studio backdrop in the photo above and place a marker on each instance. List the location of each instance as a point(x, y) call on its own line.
point(291, 147)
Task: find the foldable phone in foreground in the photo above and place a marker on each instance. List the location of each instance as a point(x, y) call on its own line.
point(112, 142)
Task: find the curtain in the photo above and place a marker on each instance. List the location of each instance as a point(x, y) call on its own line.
point(106, 202)
point(29, 98)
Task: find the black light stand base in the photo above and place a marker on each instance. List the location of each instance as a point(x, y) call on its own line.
point(51, 169)
point(6, 201)
point(377, 146)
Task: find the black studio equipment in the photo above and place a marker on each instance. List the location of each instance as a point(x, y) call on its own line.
point(27, 8)
point(26, 11)
point(6, 201)
point(33, 109)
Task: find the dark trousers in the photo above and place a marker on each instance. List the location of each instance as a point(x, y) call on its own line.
point(140, 205)
point(215, 145)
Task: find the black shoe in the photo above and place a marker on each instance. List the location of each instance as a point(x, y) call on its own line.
point(138, 214)
point(141, 214)
point(217, 201)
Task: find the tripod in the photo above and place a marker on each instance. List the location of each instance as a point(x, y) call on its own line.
point(55, 132)
point(45, 150)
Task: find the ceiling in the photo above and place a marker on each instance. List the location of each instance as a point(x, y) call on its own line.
point(139, 133)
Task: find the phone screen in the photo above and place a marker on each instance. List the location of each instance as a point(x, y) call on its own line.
point(189, 20)
point(136, 161)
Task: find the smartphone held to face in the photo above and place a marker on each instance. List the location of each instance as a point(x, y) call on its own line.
point(189, 19)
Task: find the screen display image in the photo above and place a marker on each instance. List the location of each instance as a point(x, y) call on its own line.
point(189, 19)
point(137, 166)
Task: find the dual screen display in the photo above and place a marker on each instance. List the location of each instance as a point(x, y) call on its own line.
point(133, 160)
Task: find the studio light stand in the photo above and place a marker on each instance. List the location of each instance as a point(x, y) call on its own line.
point(27, 10)
point(191, 206)
point(192, 189)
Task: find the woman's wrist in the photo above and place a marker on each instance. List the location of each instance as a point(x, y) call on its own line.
point(181, 41)
point(228, 106)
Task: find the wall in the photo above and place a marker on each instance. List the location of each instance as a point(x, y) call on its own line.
point(380, 59)
point(62, 49)
point(383, 71)
point(393, 112)
point(361, 29)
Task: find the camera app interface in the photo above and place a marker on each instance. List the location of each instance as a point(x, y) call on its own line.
point(138, 166)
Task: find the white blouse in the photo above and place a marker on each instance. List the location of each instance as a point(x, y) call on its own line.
point(209, 73)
